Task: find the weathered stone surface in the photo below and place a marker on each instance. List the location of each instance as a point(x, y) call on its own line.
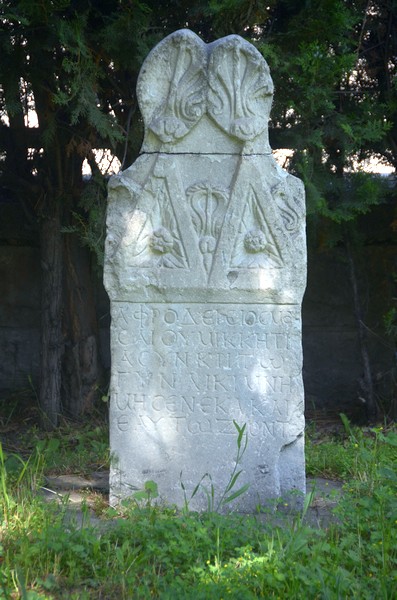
point(206, 268)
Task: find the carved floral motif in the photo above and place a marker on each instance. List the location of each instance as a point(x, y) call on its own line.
point(255, 245)
point(240, 89)
point(290, 218)
point(230, 82)
point(158, 242)
point(185, 100)
point(161, 241)
point(255, 241)
point(208, 205)
point(235, 90)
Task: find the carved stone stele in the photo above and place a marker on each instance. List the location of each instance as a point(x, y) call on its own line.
point(205, 267)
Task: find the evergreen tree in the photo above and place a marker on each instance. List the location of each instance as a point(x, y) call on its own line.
point(75, 63)
point(55, 62)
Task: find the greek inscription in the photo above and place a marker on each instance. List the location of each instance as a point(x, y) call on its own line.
point(188, 319)
point(194, 369)
point(268, 383)
point(149, 358)
point(199, 420)
point(168, 381)
point(195, 380)
point(142, 315)
point(123, 423)
point(146, 337)
point(196, 427)
point(231, 317)
point(181, 358)
point(173, 338)
point(123, 337)
point(221, 406)
point(272, 363)
point(225, 426)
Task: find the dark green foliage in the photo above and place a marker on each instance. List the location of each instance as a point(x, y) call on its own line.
point(333, 101)
point(89, 217)
point(328, 106)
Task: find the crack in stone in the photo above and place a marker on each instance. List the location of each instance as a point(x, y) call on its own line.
point(208, 153)
point(298, 437)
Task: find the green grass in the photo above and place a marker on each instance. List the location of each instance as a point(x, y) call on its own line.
point(354, 455)
point(78, 449)
point(149, 552)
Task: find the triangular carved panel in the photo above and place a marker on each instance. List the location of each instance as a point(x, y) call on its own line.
point(156, 239)
point(255, 246)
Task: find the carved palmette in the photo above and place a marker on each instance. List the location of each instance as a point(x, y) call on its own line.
point(240, 88)
point(229, 81)
point(173, 98)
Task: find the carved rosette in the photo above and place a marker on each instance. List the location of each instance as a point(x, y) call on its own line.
point(154, 240)
point(255, 246)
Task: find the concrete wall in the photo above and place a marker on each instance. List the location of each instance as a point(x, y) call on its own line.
point(19, 316)
point(332, 360)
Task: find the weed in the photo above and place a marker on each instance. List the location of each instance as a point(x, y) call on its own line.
point(229, 493)
point(149, 493)
point(74, 450)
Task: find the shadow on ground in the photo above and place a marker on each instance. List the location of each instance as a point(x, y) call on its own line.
point(82, 496)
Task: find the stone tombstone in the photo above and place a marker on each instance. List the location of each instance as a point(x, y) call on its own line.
point(206, 268)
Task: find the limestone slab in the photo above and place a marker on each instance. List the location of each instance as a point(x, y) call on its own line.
point(206, 268)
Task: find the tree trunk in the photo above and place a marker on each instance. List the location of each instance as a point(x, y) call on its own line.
point(51, 317)
point(367, 382)
point(80, 368)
